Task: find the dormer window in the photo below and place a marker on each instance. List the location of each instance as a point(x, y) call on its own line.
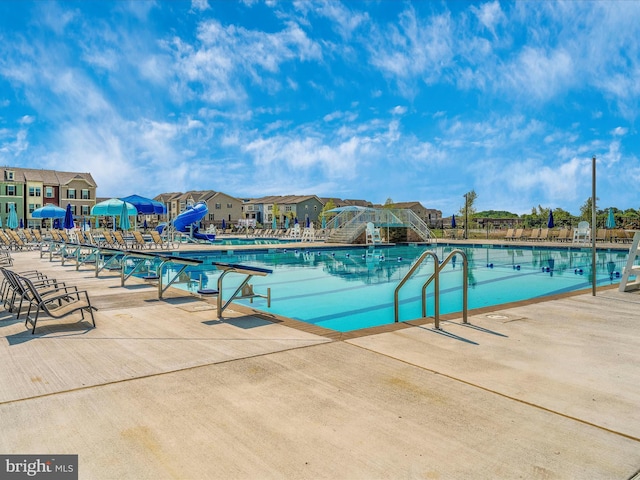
point(9, 175)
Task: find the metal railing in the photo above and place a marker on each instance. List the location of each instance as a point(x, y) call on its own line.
point(349, 224)
point(435, 277)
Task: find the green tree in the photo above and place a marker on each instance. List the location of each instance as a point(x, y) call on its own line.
point(467, 207)
point(327, 206)
point(585, 209)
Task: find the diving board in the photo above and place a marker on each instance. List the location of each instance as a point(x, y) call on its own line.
point(244, 290)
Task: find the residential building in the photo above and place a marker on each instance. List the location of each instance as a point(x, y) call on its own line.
point(29, 189)
point(220, 205)
point(264, 209)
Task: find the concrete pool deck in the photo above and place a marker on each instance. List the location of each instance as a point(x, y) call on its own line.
point(163, 389)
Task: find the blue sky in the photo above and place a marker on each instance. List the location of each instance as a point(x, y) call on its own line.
point(413, 101)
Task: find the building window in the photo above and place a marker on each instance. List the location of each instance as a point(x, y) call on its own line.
point(48, 192)
point(306, 207)
point(71, 193)
point(218, 206)
point(8, 175)
point(270, 207)
point(315, 208)
point(84, 194)
point(32, 207)
point(287, 208)
point(229, 205)
point(85, 209)
point(11, 190)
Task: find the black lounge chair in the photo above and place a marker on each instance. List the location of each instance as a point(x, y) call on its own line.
point(56, 305)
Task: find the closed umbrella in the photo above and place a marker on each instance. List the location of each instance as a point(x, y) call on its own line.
point(124, 218)
point(274, 223)
point(308, 222)
point(12, 220)
point(144, 225)
point(56, 223)
point(611, 219)
point(21, 224)
point(453, 221)
point(286, 222)
point(224, 224)
point(324, 222)
point(295, 221)
point(68, 218)
point(550, 223)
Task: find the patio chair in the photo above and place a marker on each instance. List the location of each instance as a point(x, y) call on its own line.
point(18, 292)
point(535, 234)
point(139, 241)
point(56, 304)
point(509, 234)
point(159, 242)
point(544, 235)
point(108, 240)
point(602, 235)
point(120, 241)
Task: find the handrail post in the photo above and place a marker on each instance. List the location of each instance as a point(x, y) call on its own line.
point(415, 266)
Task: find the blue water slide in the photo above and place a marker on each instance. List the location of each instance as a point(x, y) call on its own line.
point(191, 217)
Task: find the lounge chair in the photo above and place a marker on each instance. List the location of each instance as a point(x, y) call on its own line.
point(139, 241)
point(120, 241)
point(519, 235)
point(509, 235)
point(602, 235)
point(159, 242)
point(535, 234)
point(56, 305)
point(544, 235)
point(564, 235)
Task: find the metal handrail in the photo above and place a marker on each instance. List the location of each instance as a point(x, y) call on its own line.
point(436, 276)
point(415, 266)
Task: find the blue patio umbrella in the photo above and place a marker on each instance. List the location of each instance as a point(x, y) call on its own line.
point(286, 222)
point(144, 224)
point(12, 220)
point(324, 222)
point(308, 222)
point(0, 221)
point(49, 211)
point(68, 218)
point(274, 223)
point(295, 221)
point(146, 205)
point(611, 219)
point(56, 223)
point(124, 218)
point(21, 224)
point(550, 223)
point(224, 224)
point(453, 221)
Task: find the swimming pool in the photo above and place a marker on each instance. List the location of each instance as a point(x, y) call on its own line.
point(250, 241)
point(351, 289)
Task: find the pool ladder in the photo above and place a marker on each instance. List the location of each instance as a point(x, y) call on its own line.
point(435, 277)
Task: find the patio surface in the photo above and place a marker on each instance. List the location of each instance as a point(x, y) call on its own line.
point(163, 389)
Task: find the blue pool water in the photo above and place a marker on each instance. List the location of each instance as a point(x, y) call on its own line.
point(351, 289)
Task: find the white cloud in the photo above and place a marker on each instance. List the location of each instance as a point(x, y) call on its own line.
point(619, 131)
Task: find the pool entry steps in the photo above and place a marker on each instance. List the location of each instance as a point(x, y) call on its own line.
point(435, 277)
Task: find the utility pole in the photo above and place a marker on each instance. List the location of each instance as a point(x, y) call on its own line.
point(466, 217)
